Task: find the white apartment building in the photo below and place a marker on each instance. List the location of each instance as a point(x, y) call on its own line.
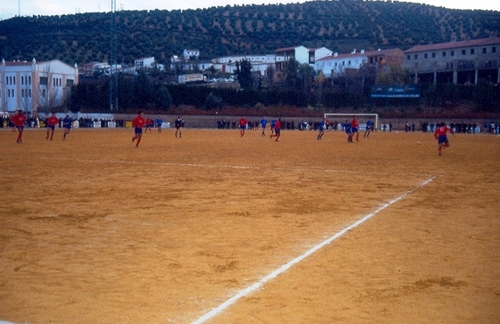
point(35, 86)
point(187, 53)
point(260, 63)
point(337, 65)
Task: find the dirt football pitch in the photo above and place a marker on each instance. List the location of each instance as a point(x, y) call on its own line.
point(217, 228)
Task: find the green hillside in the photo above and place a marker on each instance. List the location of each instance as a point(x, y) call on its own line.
point(254, 29)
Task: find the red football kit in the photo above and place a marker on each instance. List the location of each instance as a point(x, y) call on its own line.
point(442, 130)
point(53, 121)
point(18, 120)
point(138, 122)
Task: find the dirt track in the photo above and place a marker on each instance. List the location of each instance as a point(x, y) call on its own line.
point(93, 230)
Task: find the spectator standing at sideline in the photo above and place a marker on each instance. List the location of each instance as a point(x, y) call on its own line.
point(243, 126)
point(138, 122)
point(67, 123)
point(440, 135)
point(18, 120)
point(52, 121)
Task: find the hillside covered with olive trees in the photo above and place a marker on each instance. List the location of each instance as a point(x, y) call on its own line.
point(340, 25)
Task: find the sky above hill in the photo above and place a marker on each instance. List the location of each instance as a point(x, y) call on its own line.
point(12, 8)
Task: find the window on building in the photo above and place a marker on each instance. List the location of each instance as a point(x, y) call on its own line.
point(408, 57)
point(484, 50)
point(22, 93)
point(349, 62)
point(493, 49)
point(452, 53)
point(433, 55)
point(444, 54)
point(22, 80)
point(416, 56)
point(29, 93)
point(426, 55)
point(14, 80)
point(472, 51)
point(43, 93)
point(29, 80)
point(463, 52)
point(44, 81)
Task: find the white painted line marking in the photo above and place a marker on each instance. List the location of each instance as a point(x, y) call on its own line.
point(222, 166)
point(287, 266)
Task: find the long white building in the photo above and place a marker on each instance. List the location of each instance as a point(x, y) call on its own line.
point(35, 86)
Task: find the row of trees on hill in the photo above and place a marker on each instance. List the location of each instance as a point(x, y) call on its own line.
point(231, 30)
point(302, 87)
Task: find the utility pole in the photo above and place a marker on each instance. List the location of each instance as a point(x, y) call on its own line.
point(113, 72)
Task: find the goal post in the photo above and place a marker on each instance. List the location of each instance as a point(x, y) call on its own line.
point(362, 118)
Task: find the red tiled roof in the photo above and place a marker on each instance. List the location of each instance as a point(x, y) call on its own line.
point(459, 44)
point(286, 49)
point(357, 54)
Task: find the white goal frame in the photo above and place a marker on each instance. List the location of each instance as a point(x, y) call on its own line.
point(351, 115)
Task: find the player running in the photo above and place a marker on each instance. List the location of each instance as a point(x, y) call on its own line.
point(263, 124)
point(179, 123)
point(18, 121)
point(369, 127)
point(243, 125)
point(355, 128)
point(277, 130)
point(67, 123)
point(321, 129)
point(348, 130)
point(52, 121)
point(159, 124)
point(440, 135)
point(138, 122)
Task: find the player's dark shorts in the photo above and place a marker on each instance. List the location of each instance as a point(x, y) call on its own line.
point(242, 127)
point(20, 128)
point(67, 126)
point(321, 129)
point(51, 127)
point(277, 131)
point(138, 130)
point(442, 139)
point(354, 130)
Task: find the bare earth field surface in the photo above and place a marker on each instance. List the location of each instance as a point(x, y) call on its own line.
point(94, 230)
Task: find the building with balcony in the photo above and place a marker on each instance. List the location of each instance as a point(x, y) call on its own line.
point(459, 62)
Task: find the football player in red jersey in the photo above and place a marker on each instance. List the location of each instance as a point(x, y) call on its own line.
point(138, 122)
point(440, 135)
point(18, 120)
point(52, 121)
point(243, 126)
point(277, 130)
point(355, 127)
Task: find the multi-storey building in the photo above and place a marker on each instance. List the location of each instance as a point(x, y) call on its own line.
point(459, 62)
point(337, 65)
point(35, 86)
